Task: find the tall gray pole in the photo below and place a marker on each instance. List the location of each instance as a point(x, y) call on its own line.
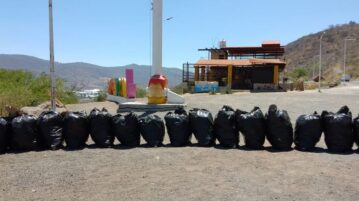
point(344, 60)
point(313, 70)
point(320, 61)
point(52, 60)
point(345, 56)
point(314, 65)
point(157, 21)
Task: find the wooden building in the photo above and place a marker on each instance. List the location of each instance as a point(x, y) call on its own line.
point(240, 67)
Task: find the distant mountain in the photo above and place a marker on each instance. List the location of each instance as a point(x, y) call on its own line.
point(85, 75)
point(303, 53)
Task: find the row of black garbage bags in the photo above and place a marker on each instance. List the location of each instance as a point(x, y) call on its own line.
point(51, 129)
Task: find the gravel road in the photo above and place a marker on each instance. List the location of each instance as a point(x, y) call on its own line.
point(192, 173)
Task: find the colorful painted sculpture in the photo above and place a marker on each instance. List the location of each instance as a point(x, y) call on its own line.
point(156, 89)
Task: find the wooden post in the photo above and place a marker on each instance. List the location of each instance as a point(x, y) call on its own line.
point(208, 74)
point(229, 79)
point(196, 73)
point(203, 73)
point(276, 74)
point(211, 74)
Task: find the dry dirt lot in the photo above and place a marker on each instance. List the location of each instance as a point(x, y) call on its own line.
point(192, 173)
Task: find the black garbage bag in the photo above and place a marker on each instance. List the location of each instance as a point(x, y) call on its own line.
point(252, 126)
point(100, 128)
point(225, 128)
point(50, 125)
point(76, 130)
point(201, 121)
point(25, 133)
point(356, 130)
point(126, 129)
point(279, 128)
point(3, 135)
point(9, 132)
point(152, 129)
point(308, 130)
point(178, 127)
point(338, 130)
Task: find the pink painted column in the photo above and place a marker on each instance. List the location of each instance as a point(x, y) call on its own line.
point(131, 86)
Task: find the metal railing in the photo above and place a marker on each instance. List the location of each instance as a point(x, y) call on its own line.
point(188, 73)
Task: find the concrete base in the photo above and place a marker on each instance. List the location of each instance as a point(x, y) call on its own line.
point(265, 87)
point(119, 99)
point(145, 107)
point(173, 98)
point(174, 101)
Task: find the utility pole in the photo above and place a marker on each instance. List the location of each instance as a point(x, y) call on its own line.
point(345, 56)
point(52, 60)
point(314, 65)
point(320, 61)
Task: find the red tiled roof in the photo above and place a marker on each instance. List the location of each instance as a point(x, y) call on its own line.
point(238, 63)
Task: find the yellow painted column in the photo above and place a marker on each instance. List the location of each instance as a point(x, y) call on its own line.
point(229, 78)
point(276, 74)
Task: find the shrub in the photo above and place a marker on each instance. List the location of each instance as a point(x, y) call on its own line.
point(141, 92)
point(298, 73)
point(19, 88)
point(101, 97)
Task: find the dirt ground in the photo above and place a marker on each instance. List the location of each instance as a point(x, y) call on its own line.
point(192, 173)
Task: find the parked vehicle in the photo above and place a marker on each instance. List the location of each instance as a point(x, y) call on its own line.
point(345, 78)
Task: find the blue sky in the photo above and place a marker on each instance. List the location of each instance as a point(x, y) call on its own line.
point(117, 32)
